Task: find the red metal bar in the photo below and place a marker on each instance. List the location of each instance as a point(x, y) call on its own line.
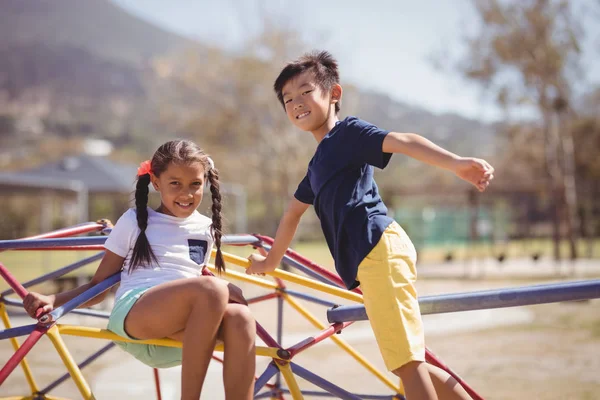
point(266, 337)
point(429, 356)
point(264, 297)
point(309, 264)
point(12, 281)
point(86, 247)
point(16, 358)
point(433, 360)
point(71, 231)
point(319, 337)
point(157, 384)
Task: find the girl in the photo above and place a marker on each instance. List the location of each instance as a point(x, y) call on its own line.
point(163, 294)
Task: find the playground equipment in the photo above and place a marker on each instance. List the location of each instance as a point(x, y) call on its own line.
point(269, 383)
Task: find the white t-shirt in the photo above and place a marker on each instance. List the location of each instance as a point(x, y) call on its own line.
point(182, 247)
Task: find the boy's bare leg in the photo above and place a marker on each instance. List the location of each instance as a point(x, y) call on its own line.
point(446, 386)
point(417, 382)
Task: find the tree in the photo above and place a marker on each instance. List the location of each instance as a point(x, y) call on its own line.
point(527, 53)
point(226, 103)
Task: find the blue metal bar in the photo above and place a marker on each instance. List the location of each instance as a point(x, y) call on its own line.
point(313, 393)
point(86, 296)
point(265, 395)
point(17, 331)
point(381, 397)
point(93, 240)
point(487, 299)
point(88, 312)
point(279, 335)
point(308, 297)
point(322, 383)
point(57, 273)
point(241, 240)
point(362, 396)
point(82, 365)
point(56, 242)
point(264, 378)
point(315, 275)
point(293, 263)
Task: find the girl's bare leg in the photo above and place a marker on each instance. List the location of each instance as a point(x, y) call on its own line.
point(238, 332)
point(196, 307)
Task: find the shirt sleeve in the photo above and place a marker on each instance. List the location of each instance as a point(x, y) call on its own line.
point(123, 235)
point(304, 192)
point(369, 142)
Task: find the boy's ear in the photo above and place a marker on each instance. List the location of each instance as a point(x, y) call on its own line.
point(336, 93)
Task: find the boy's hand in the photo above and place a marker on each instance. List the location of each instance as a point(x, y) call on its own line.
point(475, 171)
point(33, 301)
point(258, 265)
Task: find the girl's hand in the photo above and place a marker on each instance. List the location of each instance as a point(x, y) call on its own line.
point(33, 301)
point(258, 265)
point(476, 171)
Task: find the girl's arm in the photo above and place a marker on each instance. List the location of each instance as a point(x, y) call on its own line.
point(476, 171)
point(283, 238)
point(110, 264)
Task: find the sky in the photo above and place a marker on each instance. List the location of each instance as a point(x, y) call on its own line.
point(381, 45)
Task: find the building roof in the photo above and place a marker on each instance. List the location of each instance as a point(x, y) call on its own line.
point(98, 174)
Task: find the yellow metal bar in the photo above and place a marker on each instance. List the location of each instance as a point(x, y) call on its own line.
point(300, 280)
point(84, 388)
point(290, 380)
point(246, 278)
point(98, 333)
point(342, 343)
point(15, 343)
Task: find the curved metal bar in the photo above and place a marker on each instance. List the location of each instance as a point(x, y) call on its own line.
point(482, 300)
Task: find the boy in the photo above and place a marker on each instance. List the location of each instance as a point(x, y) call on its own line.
point(369, 248)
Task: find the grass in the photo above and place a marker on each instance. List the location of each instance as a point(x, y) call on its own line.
point(26, 265)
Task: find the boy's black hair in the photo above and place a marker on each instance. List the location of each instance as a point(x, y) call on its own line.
point(323, 66)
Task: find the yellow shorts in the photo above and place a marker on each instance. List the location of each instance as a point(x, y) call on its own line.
point(387, 278)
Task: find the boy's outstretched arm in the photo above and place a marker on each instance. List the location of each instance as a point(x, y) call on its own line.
point(285, 233)
point(476, 171)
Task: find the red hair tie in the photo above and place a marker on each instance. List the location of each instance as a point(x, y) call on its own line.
point(144, 168)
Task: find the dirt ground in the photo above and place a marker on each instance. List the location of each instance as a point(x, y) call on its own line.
point(540, 352)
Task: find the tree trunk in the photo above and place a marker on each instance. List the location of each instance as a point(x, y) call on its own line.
point(569, 184)
point(550, 158)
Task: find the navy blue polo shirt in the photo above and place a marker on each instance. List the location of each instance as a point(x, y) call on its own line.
point(339, 184)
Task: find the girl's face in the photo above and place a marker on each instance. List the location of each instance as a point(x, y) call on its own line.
point(180, 187)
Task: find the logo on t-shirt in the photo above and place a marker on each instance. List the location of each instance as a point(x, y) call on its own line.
point(198, 250)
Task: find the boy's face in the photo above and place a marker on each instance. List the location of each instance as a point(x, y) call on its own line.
point(306, 105)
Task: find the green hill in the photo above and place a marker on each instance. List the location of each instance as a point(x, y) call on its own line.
point(102, 28)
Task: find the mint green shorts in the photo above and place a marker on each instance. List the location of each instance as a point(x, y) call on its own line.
point(150, 354)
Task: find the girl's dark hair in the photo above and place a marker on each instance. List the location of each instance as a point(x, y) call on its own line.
point(179, 152)
point(320, 63)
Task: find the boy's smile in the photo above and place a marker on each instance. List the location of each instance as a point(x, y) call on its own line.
point(304, 114)
point(308, 107)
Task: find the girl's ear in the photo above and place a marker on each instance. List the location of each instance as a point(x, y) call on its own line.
point(154, 181)
point(336, 93)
